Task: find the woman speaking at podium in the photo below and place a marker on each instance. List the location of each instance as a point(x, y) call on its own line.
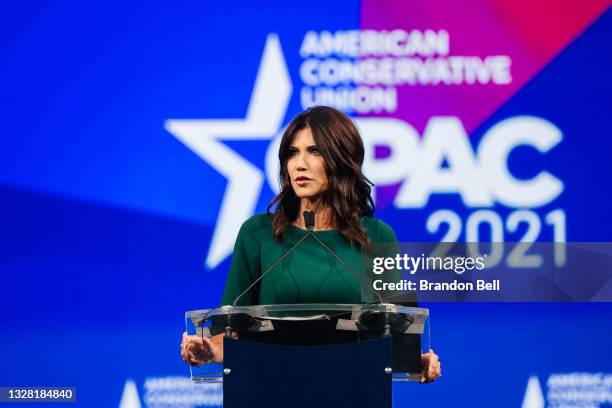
point(320, 155)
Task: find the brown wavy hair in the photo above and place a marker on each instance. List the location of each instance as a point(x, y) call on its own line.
point(349, 191)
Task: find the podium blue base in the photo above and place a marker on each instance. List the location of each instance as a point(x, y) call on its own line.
point(330, 376)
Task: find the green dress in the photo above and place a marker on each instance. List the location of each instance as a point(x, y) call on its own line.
point(310, 274)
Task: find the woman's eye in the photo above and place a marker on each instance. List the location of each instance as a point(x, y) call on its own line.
point(292, 152)
point(315, 151)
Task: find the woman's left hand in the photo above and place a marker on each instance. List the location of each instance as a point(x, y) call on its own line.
point(431, 367)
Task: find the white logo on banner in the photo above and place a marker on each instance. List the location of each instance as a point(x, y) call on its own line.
point(480, 177)
point(534, 398)
point(163, 392)
point(359, 70)
point(579, 389)
point(130, 398)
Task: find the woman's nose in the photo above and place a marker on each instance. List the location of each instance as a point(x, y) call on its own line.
point(301, 162)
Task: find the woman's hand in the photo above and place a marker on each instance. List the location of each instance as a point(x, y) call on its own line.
point(198, 350)
point(431, 367)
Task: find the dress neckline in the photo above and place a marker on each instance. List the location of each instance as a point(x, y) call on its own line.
point(337, 231)
point(320, 231)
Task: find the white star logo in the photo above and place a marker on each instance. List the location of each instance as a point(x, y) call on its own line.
point(265, 114)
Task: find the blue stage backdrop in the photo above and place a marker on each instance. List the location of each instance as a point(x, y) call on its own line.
point(137, 137)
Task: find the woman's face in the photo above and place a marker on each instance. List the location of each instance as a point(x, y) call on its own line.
point(306, 166)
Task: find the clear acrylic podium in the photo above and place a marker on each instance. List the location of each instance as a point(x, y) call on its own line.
point(304, 355)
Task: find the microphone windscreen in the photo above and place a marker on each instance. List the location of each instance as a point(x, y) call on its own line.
point(309, 219)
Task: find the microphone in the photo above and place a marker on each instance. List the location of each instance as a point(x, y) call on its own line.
point(309, 221)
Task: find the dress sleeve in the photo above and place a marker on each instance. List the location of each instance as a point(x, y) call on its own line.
point(386, 233)
point(245, 266)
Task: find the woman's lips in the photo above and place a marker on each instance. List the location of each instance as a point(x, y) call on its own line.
point(302, 181)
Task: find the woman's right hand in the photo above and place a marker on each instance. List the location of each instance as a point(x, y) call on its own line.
point(198, 350)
